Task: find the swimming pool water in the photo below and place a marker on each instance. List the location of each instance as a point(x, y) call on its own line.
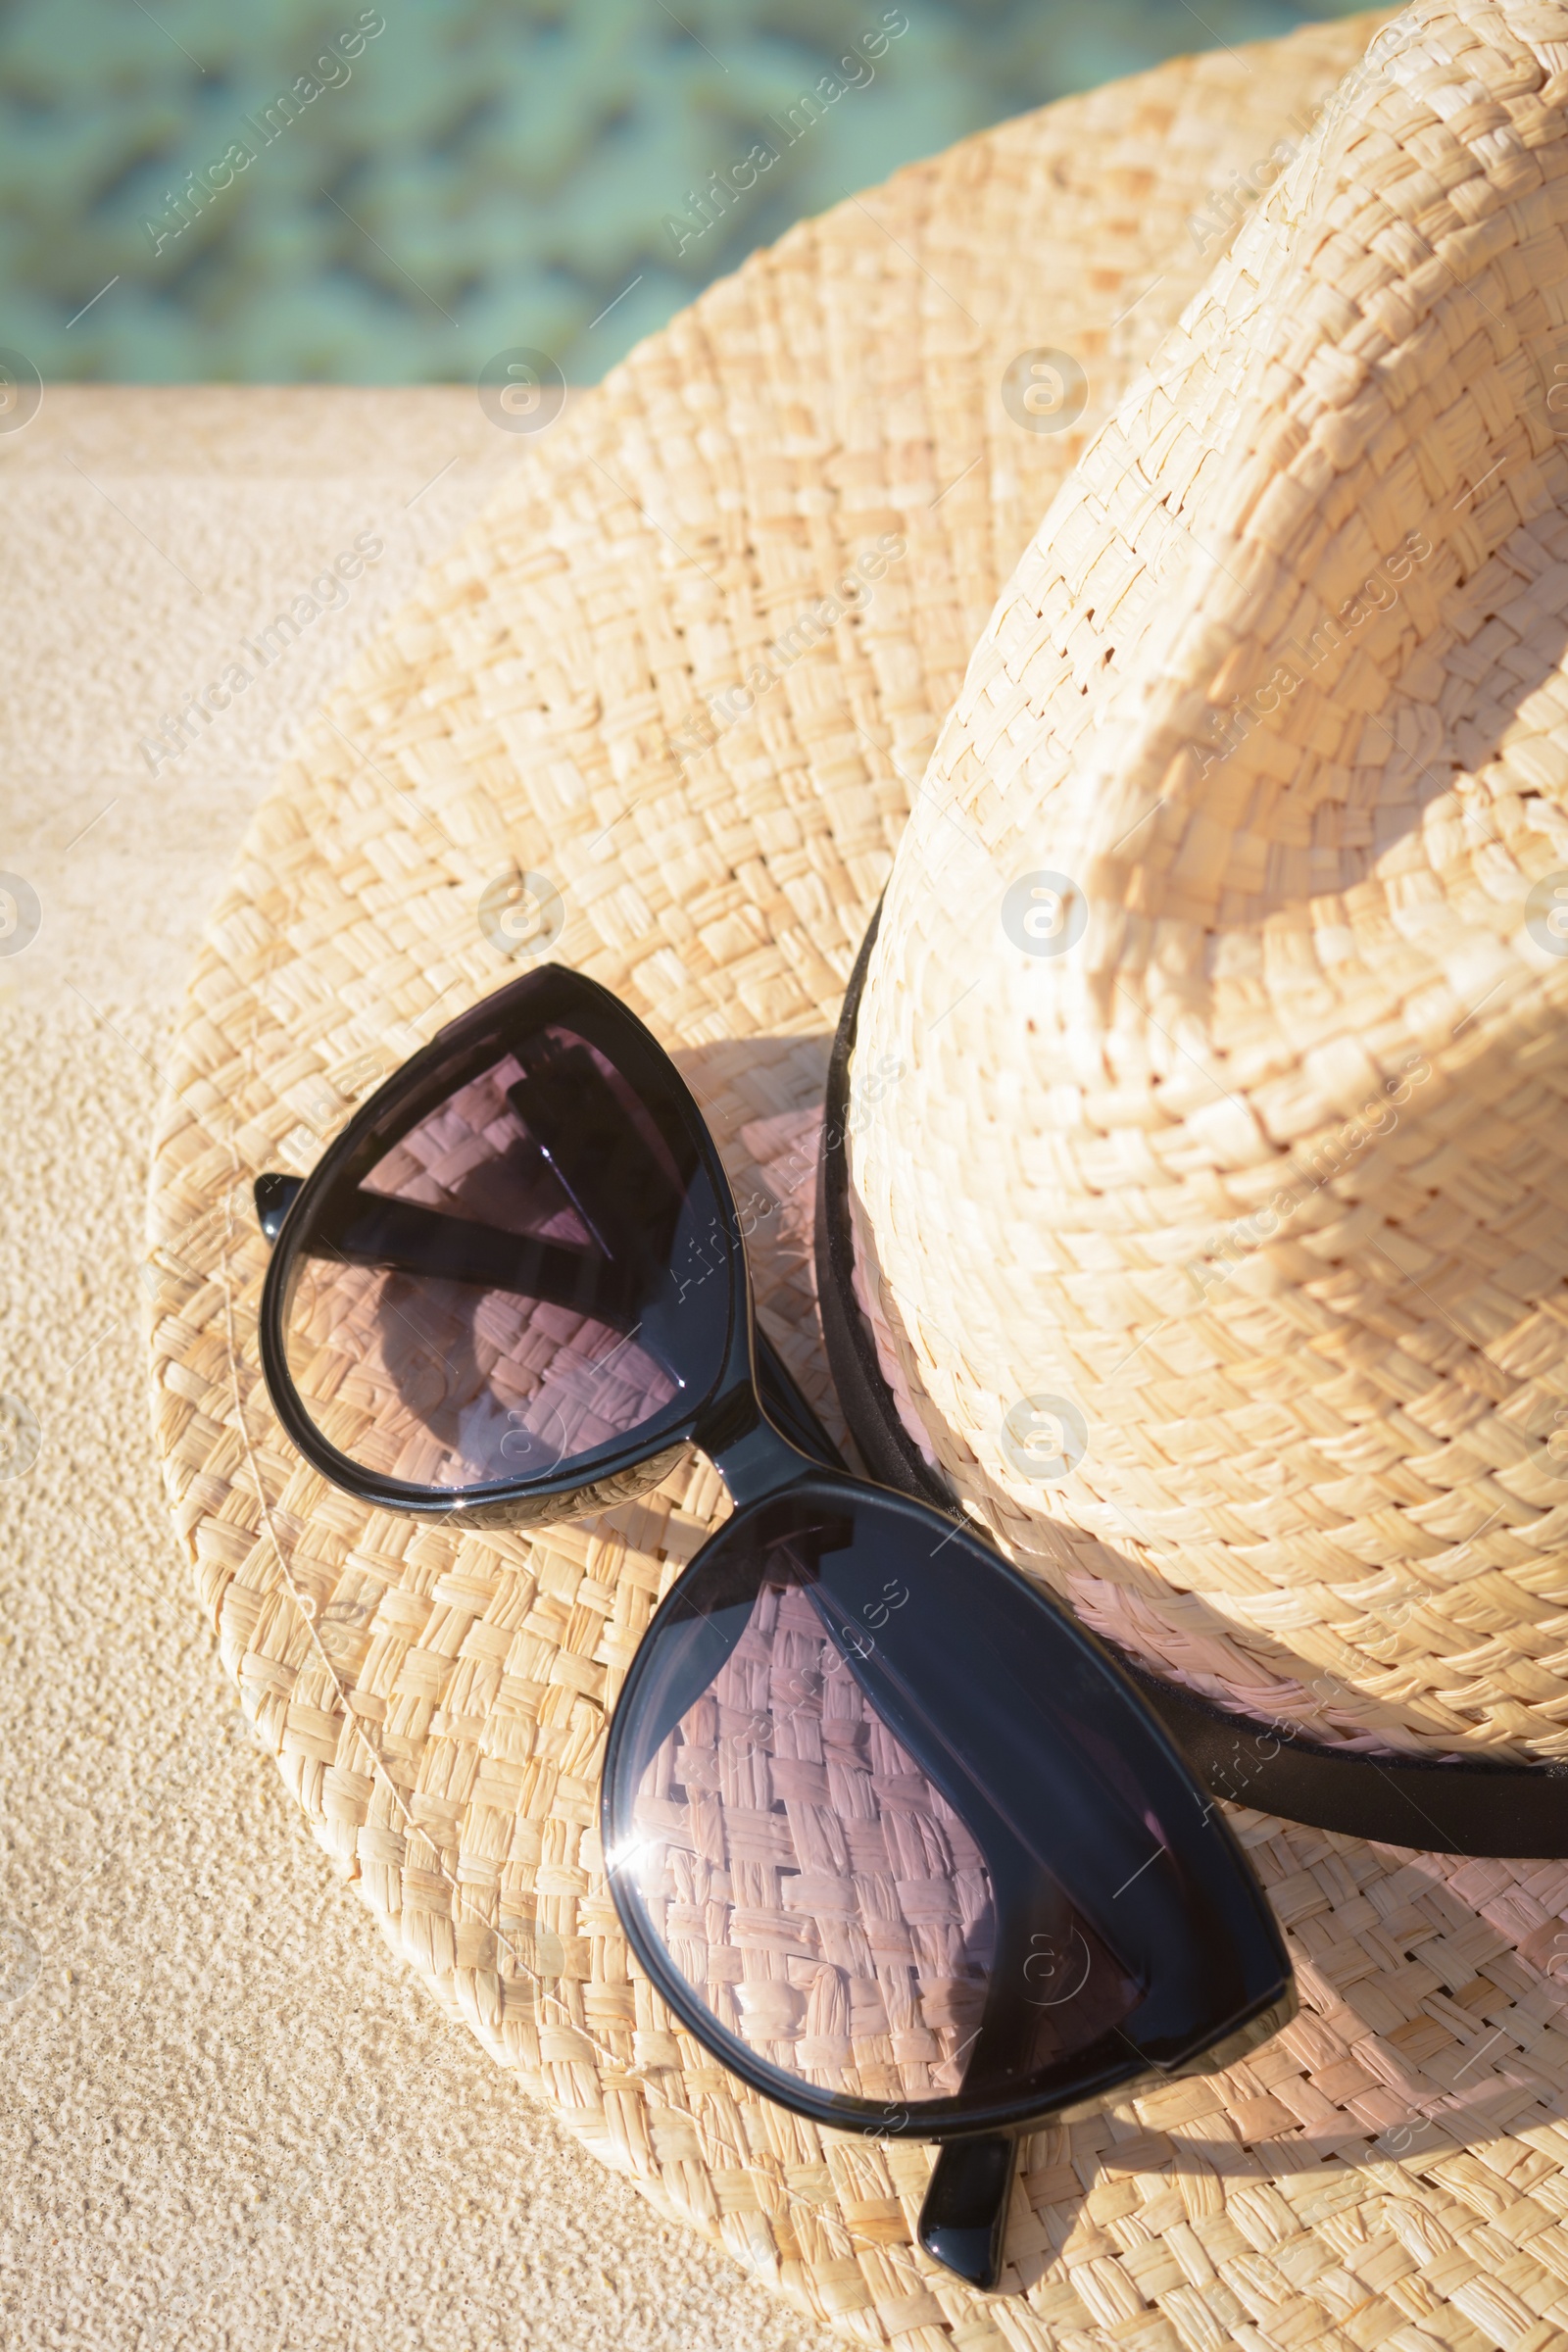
point(297, 194)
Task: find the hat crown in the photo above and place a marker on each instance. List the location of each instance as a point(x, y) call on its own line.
point(1219, 958)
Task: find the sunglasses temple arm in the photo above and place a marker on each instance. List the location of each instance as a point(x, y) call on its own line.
point(963, 2220)
point(276, 1195)
point(410, 1237)
point(787, 1409)
point(782, 1400)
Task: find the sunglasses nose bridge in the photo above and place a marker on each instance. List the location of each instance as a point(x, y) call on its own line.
point(752, 1458)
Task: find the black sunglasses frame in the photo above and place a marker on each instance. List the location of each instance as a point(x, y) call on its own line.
point(769, 1448)
point(960, 2117)
point(720, 1421)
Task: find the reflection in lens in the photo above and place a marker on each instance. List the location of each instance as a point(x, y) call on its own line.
point(808, 1879)
point(488, 1302)
point(894, 1840)
point(821, 1895)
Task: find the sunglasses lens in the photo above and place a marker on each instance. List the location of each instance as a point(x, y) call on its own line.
point(516, 1281)
point(830, 1905)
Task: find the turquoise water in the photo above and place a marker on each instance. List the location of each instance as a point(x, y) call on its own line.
point(292, 194)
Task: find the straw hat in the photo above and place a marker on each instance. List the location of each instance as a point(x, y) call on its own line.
point(1217, 1233)
point(540, 754)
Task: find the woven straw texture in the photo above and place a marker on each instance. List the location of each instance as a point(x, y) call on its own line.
point(824, 1845)
point(1391, 2169)
point(1218, 1232)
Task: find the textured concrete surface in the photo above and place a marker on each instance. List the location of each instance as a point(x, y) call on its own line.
point(227, 2117)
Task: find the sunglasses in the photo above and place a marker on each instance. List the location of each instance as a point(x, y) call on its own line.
point(892, 1837)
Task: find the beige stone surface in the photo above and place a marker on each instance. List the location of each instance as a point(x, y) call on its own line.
point(227, 2117)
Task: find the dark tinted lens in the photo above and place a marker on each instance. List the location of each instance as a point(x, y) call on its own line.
point(885, 1825)
point(514, 1284)
point(800, 1820)
point(819, 1891)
